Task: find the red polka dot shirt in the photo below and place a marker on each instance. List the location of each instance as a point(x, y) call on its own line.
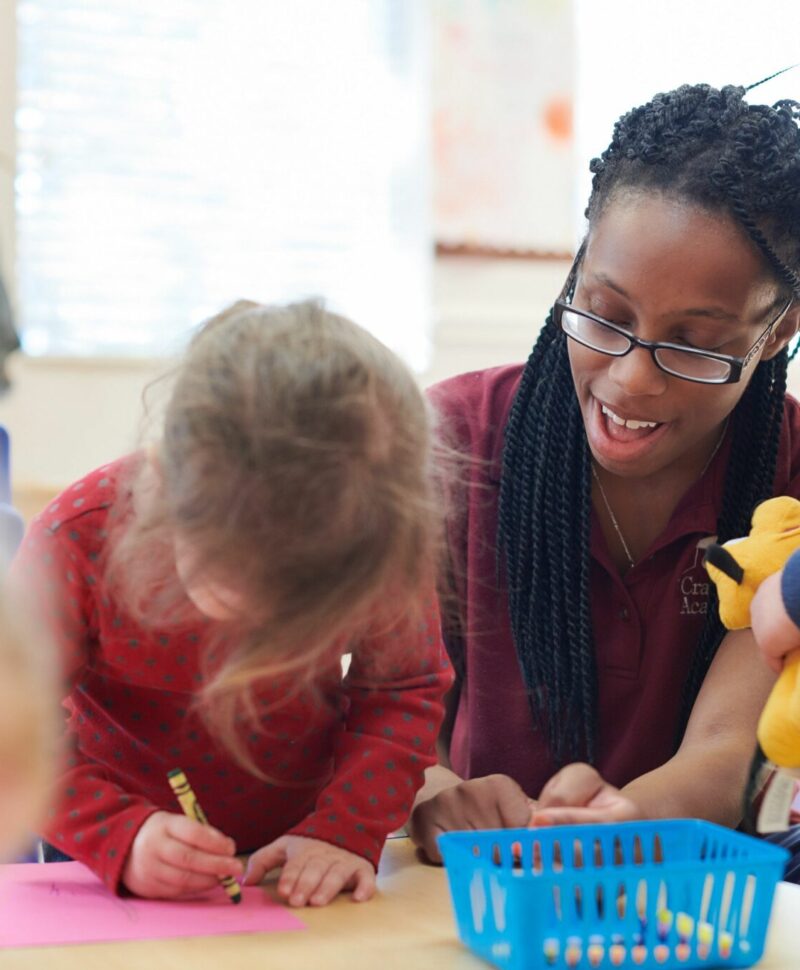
point(344, 769)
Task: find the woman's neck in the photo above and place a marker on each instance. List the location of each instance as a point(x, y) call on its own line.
point(634, 512)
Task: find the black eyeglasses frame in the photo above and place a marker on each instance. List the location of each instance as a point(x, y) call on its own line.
point(736, 364)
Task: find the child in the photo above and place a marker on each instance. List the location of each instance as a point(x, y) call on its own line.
point(204, 594)
point(593, 674)
point(27, 728)
point(775, 616)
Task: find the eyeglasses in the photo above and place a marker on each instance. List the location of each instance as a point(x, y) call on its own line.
point(688, 363)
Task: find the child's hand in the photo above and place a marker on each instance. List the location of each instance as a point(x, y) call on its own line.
point(493, 802)
point(775, 633)
point(578, 794)
point(173, 855)
point(313, 871)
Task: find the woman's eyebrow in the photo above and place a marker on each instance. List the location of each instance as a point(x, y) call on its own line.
point(710, 312)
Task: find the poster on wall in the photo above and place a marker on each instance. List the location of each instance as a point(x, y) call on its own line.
point(503, 84)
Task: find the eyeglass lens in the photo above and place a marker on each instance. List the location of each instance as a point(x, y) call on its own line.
point(681, 363)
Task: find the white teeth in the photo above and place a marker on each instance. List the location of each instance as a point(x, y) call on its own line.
point(633, 425)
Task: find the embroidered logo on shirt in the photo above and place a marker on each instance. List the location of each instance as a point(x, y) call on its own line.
point(694, 582)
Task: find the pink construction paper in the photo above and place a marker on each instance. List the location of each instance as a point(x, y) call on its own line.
point(64, 902)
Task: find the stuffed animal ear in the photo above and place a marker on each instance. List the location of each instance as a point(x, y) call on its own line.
point(734, 592)
point(719, 557)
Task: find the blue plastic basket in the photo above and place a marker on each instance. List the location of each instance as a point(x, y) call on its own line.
point(664, 894)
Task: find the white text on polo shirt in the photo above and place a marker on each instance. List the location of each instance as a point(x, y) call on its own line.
point(694, 596)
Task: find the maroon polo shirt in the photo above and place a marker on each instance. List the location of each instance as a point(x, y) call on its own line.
point(646, 623)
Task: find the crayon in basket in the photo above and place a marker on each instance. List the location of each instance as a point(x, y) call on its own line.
point(725, 938)
point(684, 928)
point(639, 948)
point(616, 952)
point(664, 921)
point(596, 949)
point(705, 931)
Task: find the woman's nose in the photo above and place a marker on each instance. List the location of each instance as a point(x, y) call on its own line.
point(637, 374)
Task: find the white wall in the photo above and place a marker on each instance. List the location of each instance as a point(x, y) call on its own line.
point(67, 416)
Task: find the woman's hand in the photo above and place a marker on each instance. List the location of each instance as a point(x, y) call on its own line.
point(314, 872)
point(775, 632)
point(493, 802)
point(578, 794)
point(173, 856)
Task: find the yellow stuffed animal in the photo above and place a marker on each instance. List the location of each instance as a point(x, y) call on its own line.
point(737, 568)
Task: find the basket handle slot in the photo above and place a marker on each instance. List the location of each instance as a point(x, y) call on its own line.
point(746, 911)
point(477, 900)
point(557, 911)
point(598, 853)
point(600, 901)
point(658, 849)
point(498, 895)
point(724, 934)
point(558, 861)
point(705, 927)
point(622, 900)
point(538, 865)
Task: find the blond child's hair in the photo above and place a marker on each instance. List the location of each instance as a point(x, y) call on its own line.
point(296, 460)
point(28, 725)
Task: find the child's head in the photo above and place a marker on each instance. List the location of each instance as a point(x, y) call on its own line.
point(294, 483)
point(693, 240)
point(28, 718)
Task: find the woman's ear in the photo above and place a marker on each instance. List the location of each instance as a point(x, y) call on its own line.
point(783, 333)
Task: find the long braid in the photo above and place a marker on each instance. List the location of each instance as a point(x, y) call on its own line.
point(550, 565)
point(706, 147)
point(749, 480)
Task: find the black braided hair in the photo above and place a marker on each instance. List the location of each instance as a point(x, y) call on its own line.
point(710, 148)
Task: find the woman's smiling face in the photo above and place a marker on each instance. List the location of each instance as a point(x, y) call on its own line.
point(671, 272)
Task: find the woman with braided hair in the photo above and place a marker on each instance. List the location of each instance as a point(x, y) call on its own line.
point(595, 681)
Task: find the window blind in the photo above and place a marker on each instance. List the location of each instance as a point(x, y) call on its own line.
point(173, 157)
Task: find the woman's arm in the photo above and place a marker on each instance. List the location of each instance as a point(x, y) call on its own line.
point(705, 778)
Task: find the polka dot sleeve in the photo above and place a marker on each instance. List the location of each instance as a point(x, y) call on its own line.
point(395, 687)
point(92, 819)
point(50, 575)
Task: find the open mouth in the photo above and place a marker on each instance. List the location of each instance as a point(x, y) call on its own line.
point(626, 429)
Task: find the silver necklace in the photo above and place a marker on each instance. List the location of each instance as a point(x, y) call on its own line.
point(613, 518)
point(620, 536)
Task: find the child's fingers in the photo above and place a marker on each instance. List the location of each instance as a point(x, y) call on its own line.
point(364, 888)
point(174, 882)
point(261, 862)
point(182, 856)
point(203, 837)
point(301, 876)
point(576, 816)
point(575, 784)
point(338, 876)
